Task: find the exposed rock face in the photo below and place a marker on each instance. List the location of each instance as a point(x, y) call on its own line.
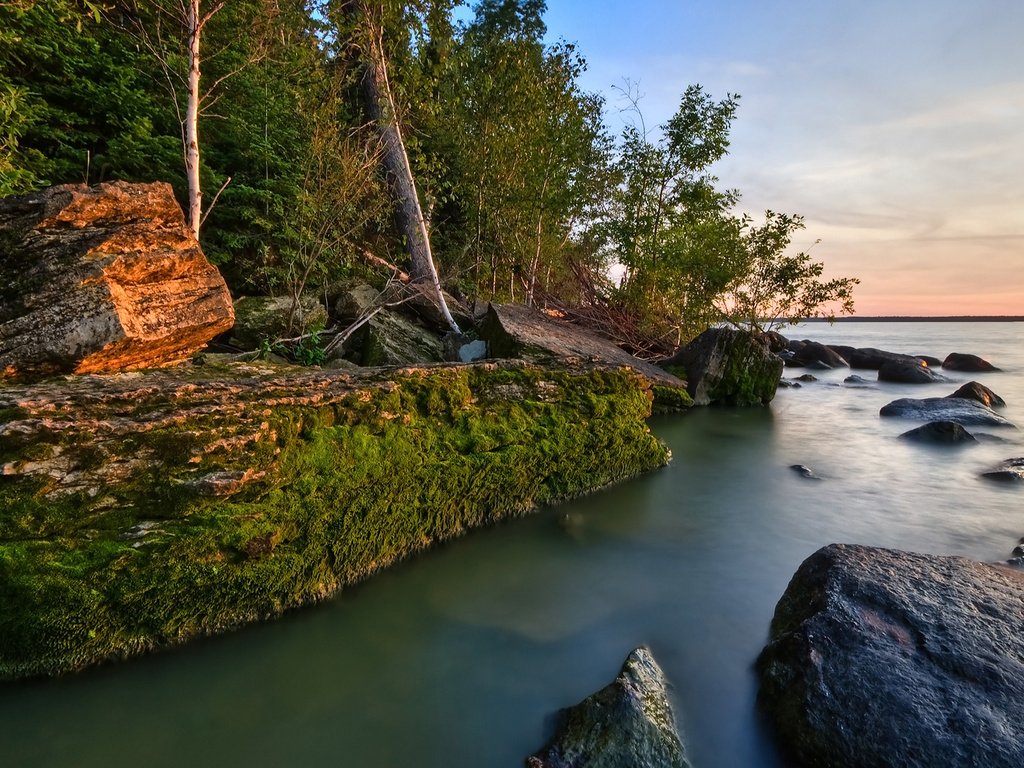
point(884, 658)
point(512, 330)
point(940, 432)
point(103, 278)
point(627, 724)
point(959, 361)
point(972, 390)
point(960, 410)
point(729, 367)
point(910, 371)
point(274, 317)
point(1010, 471)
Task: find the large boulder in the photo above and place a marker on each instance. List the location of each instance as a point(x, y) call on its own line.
point(812, 353)
point(730, 367)
point(960, 361)
point(940, 432)
point(515, 331)
point(103, 278)
point(391, 338)
point(972, 390)
point(869, 358)
point(961, 410)
point(885, 658)
point(627, 724)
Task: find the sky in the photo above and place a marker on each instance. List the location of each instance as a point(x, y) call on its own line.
point(895, 128)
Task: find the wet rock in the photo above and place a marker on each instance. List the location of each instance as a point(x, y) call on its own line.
point(959, 361)
point(807, 378)
point(940, 432)
point(885, 658)
point(1010, 471)
point(856, 379)
point(103, 278)
point(512, 330)
point(910, 371)
point(629, 723)
point(262, 318)
point(960, 410)
point(814, 355)
point(789, 384)
point(931, 362)
point(869, 358)
point(972, 390)
point(729, 367)
point(804, 471)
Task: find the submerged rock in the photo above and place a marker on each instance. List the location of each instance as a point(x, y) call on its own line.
point(103, 278)
point(960, 410)
point(804, 471)
point(959, 361)
point(627, 724)
point(856, 380)
point(729, 367)
point(885, 658)
point(1010, 471)
point(972, 390)
point(940, 432)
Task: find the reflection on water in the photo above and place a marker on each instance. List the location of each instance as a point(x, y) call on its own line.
point(457, 657)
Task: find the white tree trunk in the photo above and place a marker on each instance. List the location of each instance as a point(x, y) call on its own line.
point(396, 160)
point(191, 128)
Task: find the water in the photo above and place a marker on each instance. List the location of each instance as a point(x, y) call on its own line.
point(457, 658)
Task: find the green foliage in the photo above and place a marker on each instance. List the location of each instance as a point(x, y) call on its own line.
point(346, 488)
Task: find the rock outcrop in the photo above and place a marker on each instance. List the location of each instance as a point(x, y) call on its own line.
point(103, 278)
point(142, 510)
point(629, 722)
point(884, 658)
point(729, 367)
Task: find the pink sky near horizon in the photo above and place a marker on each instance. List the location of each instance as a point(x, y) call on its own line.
point(895, 129)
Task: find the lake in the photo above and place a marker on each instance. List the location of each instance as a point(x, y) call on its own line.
point(459, 657)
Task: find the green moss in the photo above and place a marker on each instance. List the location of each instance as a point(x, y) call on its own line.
point(345, 489)
point(668, 399)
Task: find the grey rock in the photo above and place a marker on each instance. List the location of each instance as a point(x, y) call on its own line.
point(804, 471)
point(856, 379)
point(627, 724)
point(274, 317)
point(729, 367)
point(474, 350)
point(814, 355)
point(960, 410)
point(972, 390)
point(885, 658)
point(960, 361)
point(869, 358)
point(940, 432)
point(807, 378)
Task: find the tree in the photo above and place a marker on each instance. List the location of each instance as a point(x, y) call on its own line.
point(773, 288)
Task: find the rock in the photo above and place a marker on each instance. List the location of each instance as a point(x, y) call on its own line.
point(1010, 471)
point(789, 384)
point(958, 361)
point(729, 367)
point(818, 365)
point(972, 390)
point(259, 318)
point(103, 278)
point(856, 379)
point(390, 338)
point(869, 358)
point(513, 330)
point(629, 723)
point(804, 471)
point(907, 372)
point(931, 362)
point(884, 658)
point(814, 355)
point(940, 432)
point(960, 410)
point(807, 378)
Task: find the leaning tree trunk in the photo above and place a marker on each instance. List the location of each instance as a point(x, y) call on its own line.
point(381, 105)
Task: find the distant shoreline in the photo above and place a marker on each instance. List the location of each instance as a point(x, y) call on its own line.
point(920, 319)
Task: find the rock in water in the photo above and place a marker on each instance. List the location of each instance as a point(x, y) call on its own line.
point(972, 390)
point(103, 278)
point(1010, 471)
point(730, 367)
point(958, 409)
point(627, 724)
point(940, 432)
point(884, 658)
point(908, 372)
point(959, 361)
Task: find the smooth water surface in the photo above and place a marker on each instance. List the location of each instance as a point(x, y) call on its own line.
point(459, 657)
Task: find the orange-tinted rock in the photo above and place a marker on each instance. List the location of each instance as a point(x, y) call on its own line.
point(103, 278)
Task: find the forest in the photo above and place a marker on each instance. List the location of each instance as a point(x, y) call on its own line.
point(312, 140)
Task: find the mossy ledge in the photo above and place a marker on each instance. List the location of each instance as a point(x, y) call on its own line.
point(140, 511)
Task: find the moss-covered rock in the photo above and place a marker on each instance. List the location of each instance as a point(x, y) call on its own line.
point(140, 511)
point(729, 367)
